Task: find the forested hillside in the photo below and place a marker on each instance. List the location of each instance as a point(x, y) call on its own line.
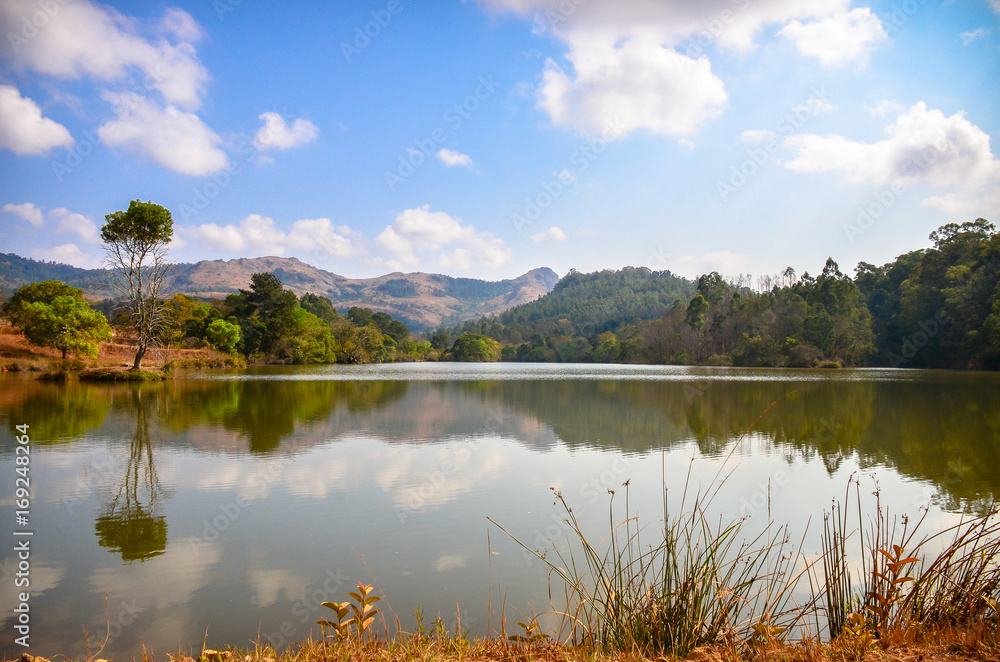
point(580, 306)
point(937, 307)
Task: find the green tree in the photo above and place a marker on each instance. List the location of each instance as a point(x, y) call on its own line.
point(475, 347)
point(135, 245)
point(223, 335)
point(51, 314)
point(319, 306)
point(696, 312)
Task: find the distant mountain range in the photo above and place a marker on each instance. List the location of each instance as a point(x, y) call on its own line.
point(420, 300)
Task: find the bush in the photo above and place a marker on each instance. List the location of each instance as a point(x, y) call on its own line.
point(804, 356)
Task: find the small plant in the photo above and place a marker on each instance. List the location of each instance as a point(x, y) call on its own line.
point(858, 636)
point(360, 615)
point(887, 586)
point(532, 634)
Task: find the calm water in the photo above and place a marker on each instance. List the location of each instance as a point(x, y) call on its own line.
point(236, 503)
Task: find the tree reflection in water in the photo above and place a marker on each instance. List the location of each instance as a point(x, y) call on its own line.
point(130, 524)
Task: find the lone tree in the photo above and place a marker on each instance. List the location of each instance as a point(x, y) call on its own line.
point(53, 314)
point(135, 246)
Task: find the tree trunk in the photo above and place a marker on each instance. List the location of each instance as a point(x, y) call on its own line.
point(64, 353)
point(138, 358)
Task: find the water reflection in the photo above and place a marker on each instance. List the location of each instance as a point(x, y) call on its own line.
point(131, 523)
point(938, 427)
point(271, 489)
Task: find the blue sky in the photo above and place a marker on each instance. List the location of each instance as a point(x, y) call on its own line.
point(485, 138)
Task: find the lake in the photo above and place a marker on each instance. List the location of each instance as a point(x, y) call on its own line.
point(235, 503)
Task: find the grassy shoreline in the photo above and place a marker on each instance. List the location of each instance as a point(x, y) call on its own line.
point(947, 644)
point(18, 355)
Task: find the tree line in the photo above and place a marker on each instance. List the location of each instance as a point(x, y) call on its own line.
point(937, 307)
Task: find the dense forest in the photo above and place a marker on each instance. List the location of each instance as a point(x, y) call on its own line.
point(938, 307)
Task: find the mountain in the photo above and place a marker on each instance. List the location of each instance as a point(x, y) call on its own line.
point(420, 300)
point(585, 304)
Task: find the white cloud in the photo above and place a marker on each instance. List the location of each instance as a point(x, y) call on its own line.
point(84, 39)
point(181, 25)
point(630, 60)
point(319, 235)
point(67, 254)
point(173, 138)
point(83, 226)
point(838, 39)
point(969, 37)
point(633, 85)
point(733, 24)
point(23, 130)
point(757, 136)
point(453, 158)
point(254, 233)
point(258, 234)
point(885, 108)
point(923, 147)
point(419, 232)
point(276, 134)
point(27, 211)
point(553, 234)
point(995, 4)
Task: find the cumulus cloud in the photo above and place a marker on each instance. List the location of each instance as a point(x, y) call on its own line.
point(838, 39)
point(923, 147)
point(276, 134)
point(453, 158)
point(81, 38)
point(732, 24)
point(419, 232)
point(27, 211)
point(68, 221)
point(23, 130)
point(257, 233)
point(67, 254)
point(635, 85)
point(175, 139)
point(552, 234)
point(643, 61)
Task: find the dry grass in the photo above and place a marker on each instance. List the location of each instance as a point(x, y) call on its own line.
point(18, 355)
point(938, 645)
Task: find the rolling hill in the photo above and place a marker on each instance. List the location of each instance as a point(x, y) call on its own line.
point(420, 300)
